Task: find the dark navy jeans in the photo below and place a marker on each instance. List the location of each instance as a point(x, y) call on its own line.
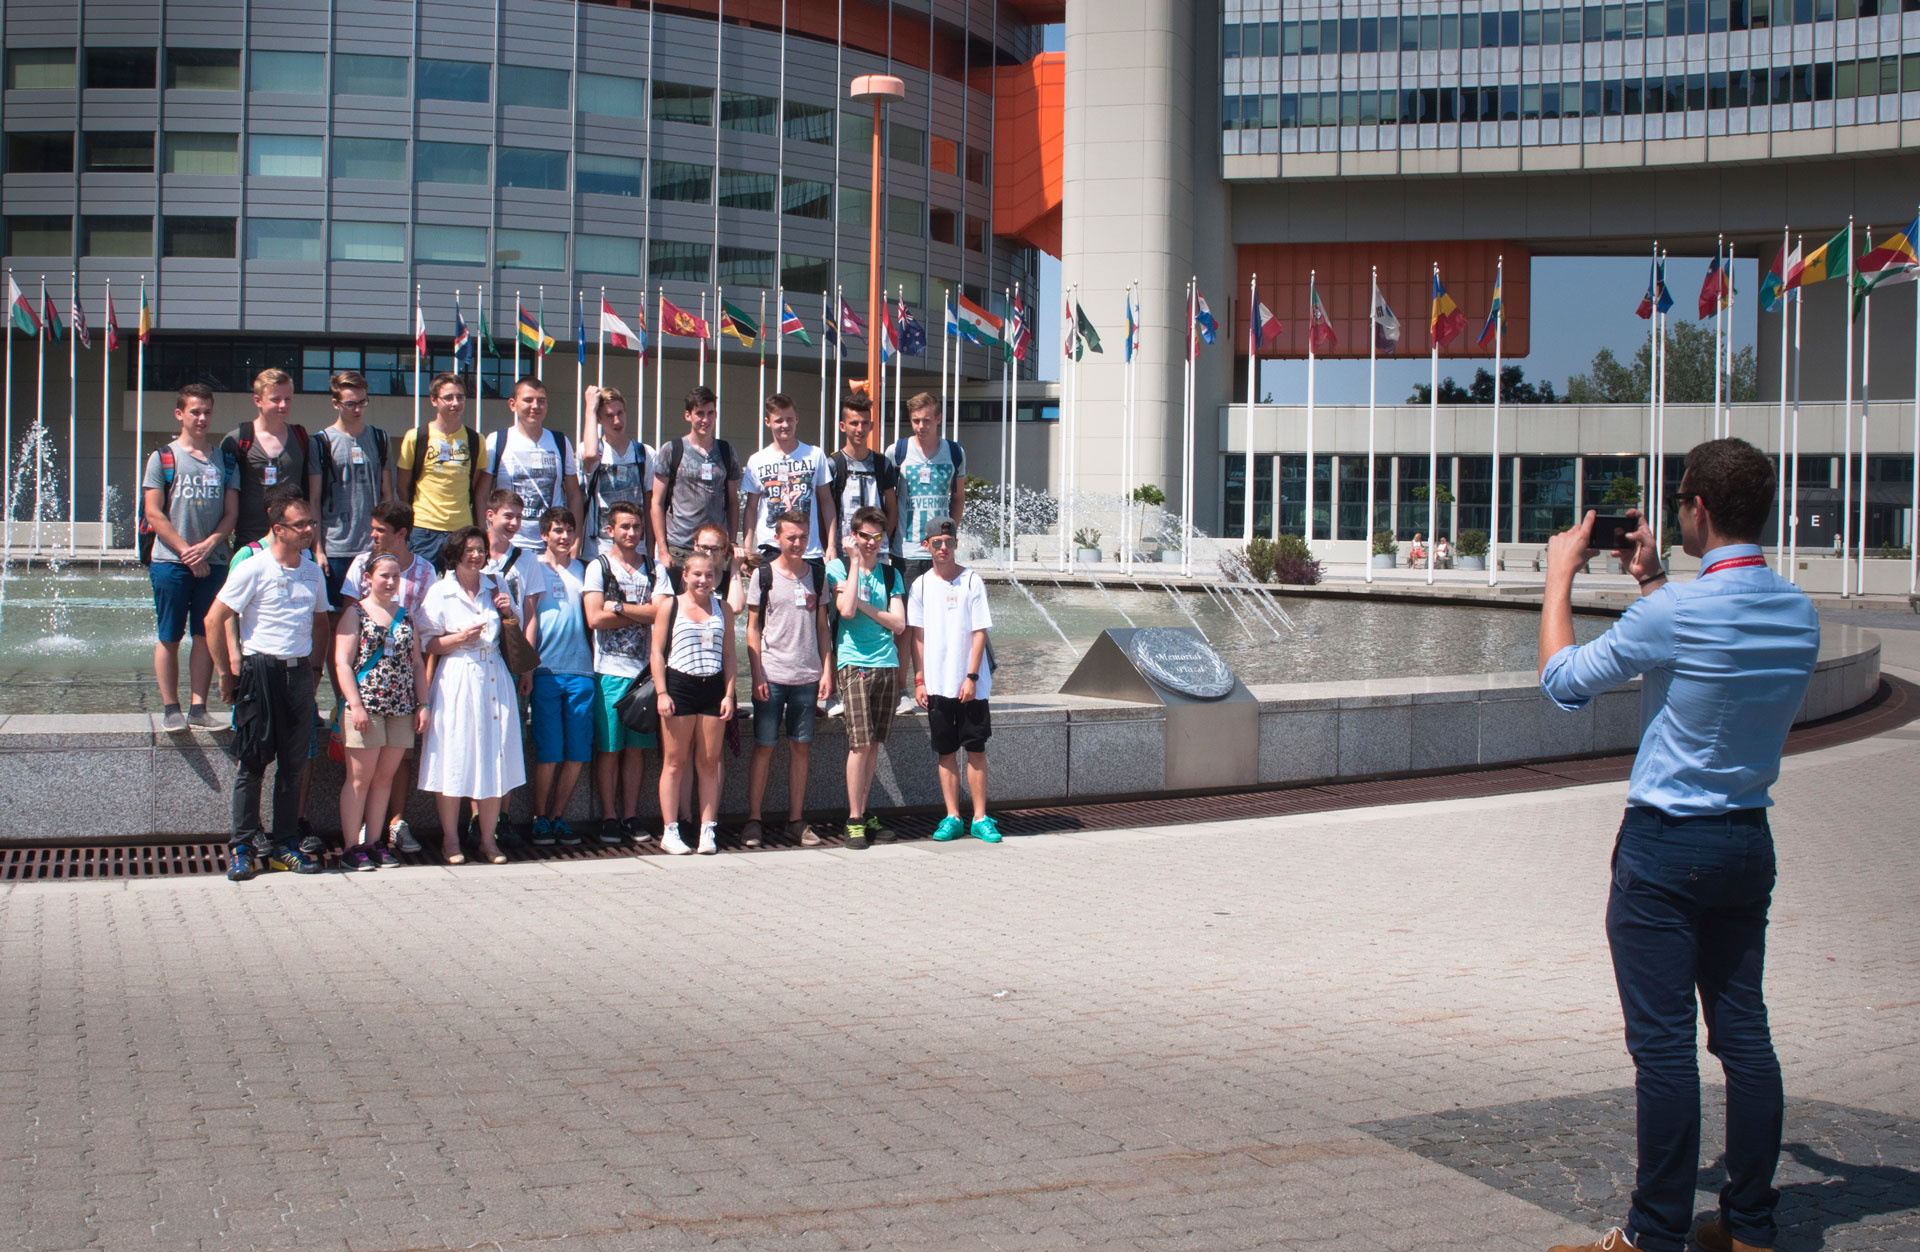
point(1687, 914)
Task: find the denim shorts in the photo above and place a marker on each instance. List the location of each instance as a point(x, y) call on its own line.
point(563, 709)
point(792, 703)
point(181, 601)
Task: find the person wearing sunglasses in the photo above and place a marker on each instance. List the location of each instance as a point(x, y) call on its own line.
point(1724, 662)
point(279, 602)
point(869, 600)
point(947, 624)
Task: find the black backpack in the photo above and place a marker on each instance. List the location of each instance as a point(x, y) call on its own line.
point(420, 436)
point(323, 457)
point(886, 477)
point(766, 588)
point(559, 470)
point(676, 450)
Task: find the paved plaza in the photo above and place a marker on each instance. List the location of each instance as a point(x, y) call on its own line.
point(1391, 1028)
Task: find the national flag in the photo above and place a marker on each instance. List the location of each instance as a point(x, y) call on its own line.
point(1829, 260)
point(1133, 329)
point(618, 333)
point(1898, 252)
point(677, 321)
point(1265, 325)
point(487, 347)
point(889, 337)
point(1069, 333)
point(1020, 335)
point(1647, 301)
point(1386, 327)
point(50, 317)
point(532, 335)
point(1712, 289)
point(20, 310)
point(113, 325)
point(580, 326)
point(462, 341)
point(419, 329)
point(977, 324)
point(1086, 338)
point(790, 324)
point(1665, 299)
point(851, 323)
point(1773, 287)
point(913, 335)
point(146, 317)
point(1320, 336)
point(735, 321)
point(953, 318)
point(1447, 322)
point(1496, 314)
point(1727, 292)
point(1203, 319)
point(79, 316)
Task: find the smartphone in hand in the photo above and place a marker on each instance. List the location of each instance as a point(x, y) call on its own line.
point(1610, 531)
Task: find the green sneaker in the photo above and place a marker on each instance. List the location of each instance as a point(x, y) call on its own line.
point(877, 832)
point(950, 828)
point(857, 836)
point(985, 830)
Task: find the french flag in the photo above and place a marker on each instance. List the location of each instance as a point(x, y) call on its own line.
point(1265, 325)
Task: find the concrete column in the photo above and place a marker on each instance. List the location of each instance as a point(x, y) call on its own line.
point(1579, 488)
point(1453, 510)
point(1143, 201)
point(1514, 495)
point(1393, 494)
point(1333, 500)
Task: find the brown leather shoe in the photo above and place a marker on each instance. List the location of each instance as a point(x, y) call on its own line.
point(1614, 1240)
point(1709, 1235)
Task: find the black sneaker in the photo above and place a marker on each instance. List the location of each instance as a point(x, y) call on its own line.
point(633, 831)
point(543, 836)
point(856, 837)
point(240, 865)
point(384, 857)
point(612, 833)
point(566, 835)
point(293, 860)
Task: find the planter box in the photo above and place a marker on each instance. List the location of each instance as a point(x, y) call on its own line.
point(1470, 562)
point(1171, 556)
point(1385, 560)
point(1090, 555)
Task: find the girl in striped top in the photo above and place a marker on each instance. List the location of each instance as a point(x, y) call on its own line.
point(693, 669)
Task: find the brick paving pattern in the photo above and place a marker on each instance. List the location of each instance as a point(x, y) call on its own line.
point(1135, 1038)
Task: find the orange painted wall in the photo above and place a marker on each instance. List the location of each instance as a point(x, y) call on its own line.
point(1029, 103)
point(1343, 275)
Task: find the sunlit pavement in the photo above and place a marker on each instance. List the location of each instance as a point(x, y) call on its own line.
point(1391, 1028)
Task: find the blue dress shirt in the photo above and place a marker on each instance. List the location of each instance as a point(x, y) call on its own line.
point(1726, 659)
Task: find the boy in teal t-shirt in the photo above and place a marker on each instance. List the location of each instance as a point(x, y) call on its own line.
point(868, 599)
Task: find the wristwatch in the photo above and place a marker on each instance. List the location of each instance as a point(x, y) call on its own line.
point(973, 678)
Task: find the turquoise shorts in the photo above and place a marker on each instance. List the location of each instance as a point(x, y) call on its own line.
point(609, 734)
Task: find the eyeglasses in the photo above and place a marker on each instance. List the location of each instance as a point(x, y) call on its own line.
point(709, 547)
point(302, 524)
point(940, 543)
point(351, 404)
point(1683, 497)
point(866, 536)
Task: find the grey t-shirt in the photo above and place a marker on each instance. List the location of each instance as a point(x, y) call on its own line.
point(200, 486)
point(347, 499)
point(700, 492)
point(790, 635)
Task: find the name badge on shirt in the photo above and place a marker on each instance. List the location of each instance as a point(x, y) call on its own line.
point(358, 456)
point(801, 596)
point(443, 450)
point(271, 476)
point(706, 472)
point(926, 475)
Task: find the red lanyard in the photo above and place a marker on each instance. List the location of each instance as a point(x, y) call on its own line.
point(1734, 562)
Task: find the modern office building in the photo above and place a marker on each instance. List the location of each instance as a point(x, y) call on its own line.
point(284, 176)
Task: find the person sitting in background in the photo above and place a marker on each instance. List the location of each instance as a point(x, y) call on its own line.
point(382, 677)
point(1442, 554)
point(1417, 551)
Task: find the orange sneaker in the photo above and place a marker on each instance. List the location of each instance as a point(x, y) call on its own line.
point(1710, 1235)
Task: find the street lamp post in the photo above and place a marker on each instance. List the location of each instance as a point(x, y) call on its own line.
point(881, 90)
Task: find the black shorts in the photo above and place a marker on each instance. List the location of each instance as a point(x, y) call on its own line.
point(910, 572)
point(696, 697)
point(953, 725)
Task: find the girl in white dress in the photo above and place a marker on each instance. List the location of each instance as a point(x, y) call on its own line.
point(472, 748)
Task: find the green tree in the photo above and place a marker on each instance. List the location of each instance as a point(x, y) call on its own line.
point(1689, 372)
point(1514, 389)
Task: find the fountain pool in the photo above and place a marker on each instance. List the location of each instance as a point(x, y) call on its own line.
point(80, 640)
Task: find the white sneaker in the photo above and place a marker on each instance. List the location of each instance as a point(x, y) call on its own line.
point(906, 707)
point(836, 707)
point(670, 841)
point(707, 845)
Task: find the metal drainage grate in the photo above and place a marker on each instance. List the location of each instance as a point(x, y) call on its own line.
point(38, 864)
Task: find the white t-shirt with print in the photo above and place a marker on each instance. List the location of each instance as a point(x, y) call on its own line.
point(624, 651)
point(787, 480)
point(947, 614)
point(536, 473)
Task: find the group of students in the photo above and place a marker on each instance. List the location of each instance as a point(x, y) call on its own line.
point(460, 589)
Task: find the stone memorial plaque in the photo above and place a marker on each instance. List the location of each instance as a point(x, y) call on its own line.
point(1178, 661)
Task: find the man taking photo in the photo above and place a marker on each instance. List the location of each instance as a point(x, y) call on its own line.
point(1724, 661)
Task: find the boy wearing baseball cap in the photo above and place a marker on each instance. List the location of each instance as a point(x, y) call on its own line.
point(947, 624)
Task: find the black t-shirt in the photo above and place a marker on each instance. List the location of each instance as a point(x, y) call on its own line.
point(260, 473)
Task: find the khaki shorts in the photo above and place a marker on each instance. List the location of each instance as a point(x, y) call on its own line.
point(382, 732)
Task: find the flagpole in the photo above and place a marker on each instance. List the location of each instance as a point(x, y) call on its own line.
point(1846, 459)
point(839, 350)
point(1727, 297)
point(1433, 441)
point(780, 339)
point(517, 323)
point(1307, 519)
point(73, 399)
point(480, 358)
point(1187, 432)
point(1793, 516)
point(1780, 495)
point(719, 347)
point(1006, 438)
point(1719, 248)
point(1073, 444)
point(1253, 377)
point(39, 410)
point(1913, 515)
point(1659, 363)
point(1653, 397)
point(762, 408)
point(946, 319)
point(416, 354)
point(106, 379)
point(1373, 362)
point(139, 403)
point(1499, 329)
point(540, 334)
point(823, 370)
point(1866, 357)
point(640, 379)
point(6, 447)
point(1013, 444)
point(600, 356)
point(659, 361)
point(1126, 448)
point(703, 359)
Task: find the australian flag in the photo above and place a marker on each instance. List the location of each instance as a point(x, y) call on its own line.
point(913, 336)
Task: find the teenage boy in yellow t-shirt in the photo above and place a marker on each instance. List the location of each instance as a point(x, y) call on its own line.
point(440, 468)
